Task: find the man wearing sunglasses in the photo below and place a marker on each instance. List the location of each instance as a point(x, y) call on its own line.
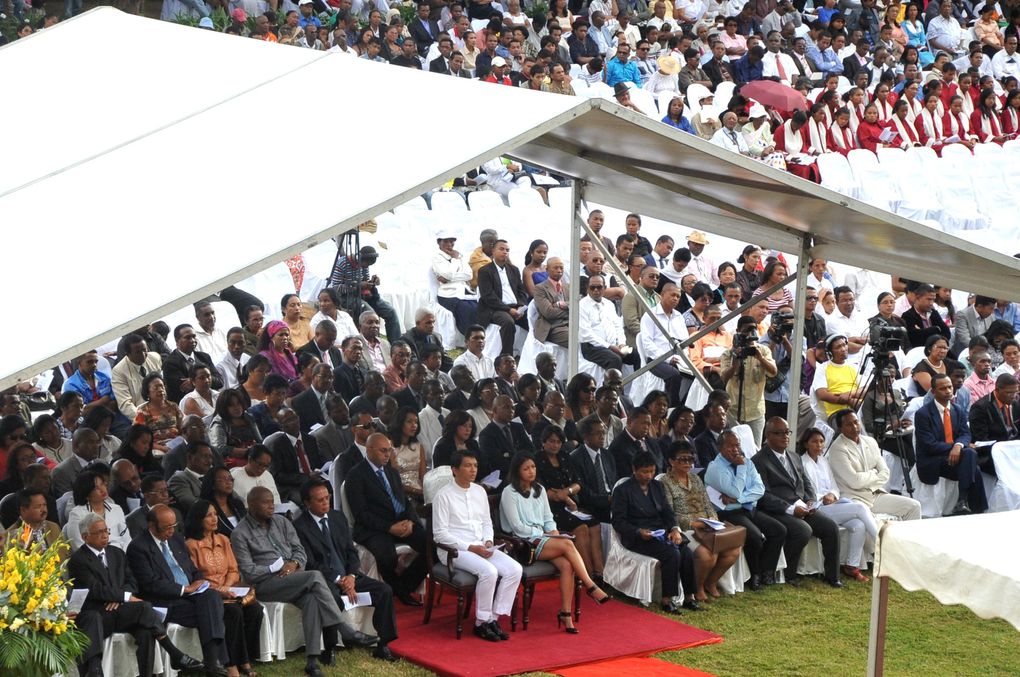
point(601, 340)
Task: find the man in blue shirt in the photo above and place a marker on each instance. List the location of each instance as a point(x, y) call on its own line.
point(740, 485)
point(748, 68)
point(620, 69)
point(307, 14)
point(822, 57)
point(96, 390)
point(1006, 310)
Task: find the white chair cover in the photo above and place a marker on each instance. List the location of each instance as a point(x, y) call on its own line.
point(633, 574)
point(119, 659)
point(493, 344)
point(446, 324)
point(526, 198)
point(646, 382)
point(481, 200)
point(434, 480)
point(644, 100)
point(875, 185)
point(837, 174)
point(532, 347)
point(448, 201)
point(695, 93)
point(1006, 495)
point(746, 437)
point(935, 499)
point(956, 190)
point(813, 562)
point(286, 629)
point(723, 94)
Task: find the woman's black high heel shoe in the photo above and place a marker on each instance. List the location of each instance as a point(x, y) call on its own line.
point(591, 593)
point(561, 619)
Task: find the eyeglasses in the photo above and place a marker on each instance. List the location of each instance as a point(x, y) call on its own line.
point(685, 459)
point(363, 426)
point(590, 390)
point(811, 298)
point(596, 286)
point(782, 433)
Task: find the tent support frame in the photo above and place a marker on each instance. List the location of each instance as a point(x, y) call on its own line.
point(797, 340)
point(574, 300)
point(876, 631)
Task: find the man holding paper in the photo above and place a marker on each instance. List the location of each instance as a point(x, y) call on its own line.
point(166, 577)
point(99, 569)
point(326, 537)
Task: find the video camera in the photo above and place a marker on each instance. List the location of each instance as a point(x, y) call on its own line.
point(782, 324)
point(744, 345)
point(886, 338)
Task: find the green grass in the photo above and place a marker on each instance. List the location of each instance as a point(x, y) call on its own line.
point(813, 631)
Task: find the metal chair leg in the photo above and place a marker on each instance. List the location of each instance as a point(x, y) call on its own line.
point(460, 613)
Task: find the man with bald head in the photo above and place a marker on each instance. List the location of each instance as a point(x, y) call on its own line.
point(86, 446)
point(271, 557)
point(166, 577)
point(293, 462)
point(551, 301)
point(501, 439)
point(384, 517)
point(125, 485)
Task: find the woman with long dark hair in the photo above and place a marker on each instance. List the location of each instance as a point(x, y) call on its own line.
point(749, 277)
point(137, 448)
point(984, 121)
point(480, 404)
point(218, 489)
point(232, 430)
point(459, 435)
point(580, 396)
point(300, 328)
point(408, 454)
point(773, 274)
point(534, 272)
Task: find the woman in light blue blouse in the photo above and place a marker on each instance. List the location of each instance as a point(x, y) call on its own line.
point(524, 511)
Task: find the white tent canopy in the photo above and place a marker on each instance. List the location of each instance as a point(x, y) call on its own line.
point(157, 163)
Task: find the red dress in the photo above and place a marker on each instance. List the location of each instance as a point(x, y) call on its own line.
point(985, 126)
point(868, 133)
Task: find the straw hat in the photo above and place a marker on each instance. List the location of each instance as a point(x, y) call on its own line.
point(669, 64)
point(697, 237)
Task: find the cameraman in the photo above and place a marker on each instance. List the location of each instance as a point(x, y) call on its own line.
point(750, 364)
point(777, 339)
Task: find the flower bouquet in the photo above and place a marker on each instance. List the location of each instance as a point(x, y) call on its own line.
point(37, 639)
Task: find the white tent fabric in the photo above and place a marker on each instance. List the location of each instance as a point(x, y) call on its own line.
point(968, 560)
point(149, 154)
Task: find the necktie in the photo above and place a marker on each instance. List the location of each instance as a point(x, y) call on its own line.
point(175, 568)
point(306, 468)
point(600, 472)
point(237, 371)
point(325, 357)
point(442, 419)
point(397, 506)
point(786, 465)
point(779, 67)
point(947, 425)
point(509, 436)
point(141, 371)
point(190, 361)
point(1007, 416)
point(334, 556)
point(102, 558)
point(662, 262)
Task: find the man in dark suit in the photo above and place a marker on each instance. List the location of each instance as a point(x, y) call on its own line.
point(336, 436)
point(552, 414)
point(790, 499)
point(716, 69)
point(502, 298)
point(101, 569)
point(323, 346)
point(177, 365)
point(707, 443)
point(923, 321)
point(545, 365)
point(329, 549)
point(424, 30)
point(501, 439)
point(857, 62)
point(944, 447)
point(362, 426)
point(465, 381)
point(634, 438)
point(994, 417)
point(596, 469)
point(348, 378)
point(423, 334)
point(311, 404)
point(154, 492)
point(506, 366)
point(186, 485)
point(85, 447)
point(441, 64)
point(167, 577)
point(412, 395)
point(384, 518)
point(125, 483)
point(293, 462)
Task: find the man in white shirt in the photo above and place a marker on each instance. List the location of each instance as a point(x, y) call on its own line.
point(849, 322)
point(255, 473)
point(654, 343)
point(211, 340)
point(431, 419)
point(945, 32)
point(1006, 62)
point(126, 378)
point(599, 331)
point(728, 137)
point(688, 11)
point(866, 286)
point(479, 365)
point(231, 365)
point(776, 64)
point(461, 520)
point(701, 265)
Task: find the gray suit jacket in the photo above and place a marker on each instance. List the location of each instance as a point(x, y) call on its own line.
point(633, 309)
point(332, 440)
point(185, 488)
point(366, 361)
point(549, 314)
point(968, 325)
point(64, 474)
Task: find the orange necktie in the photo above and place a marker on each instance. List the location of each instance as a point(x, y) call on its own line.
point(947, 425)
point(779, 67)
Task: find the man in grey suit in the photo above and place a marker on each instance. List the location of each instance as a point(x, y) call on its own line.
point(551, 302)
point(336, 436)
point(86, 446)
point(790, 498)
point(376, 353)
point(154, 492)
point(186, 485)
point(972, 321)
point(634, 306)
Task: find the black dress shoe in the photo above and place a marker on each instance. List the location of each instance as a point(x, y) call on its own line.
point(407, 600)
point(312, 669)
point(796, 581)
point(485, 632)
point(185, 663)
point(755, 583)
point(768, 579)
point(383, 653)
point(961, 508)
point(835, 583)
point(215, 670)
point(327, 657)
point(672, 608)
point(358, 638)
point(693, 605)
point(498, 631)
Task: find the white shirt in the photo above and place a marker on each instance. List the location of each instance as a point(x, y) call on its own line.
point(243, 483)
point(692, 10)
point(945, 31)
point(204, 407)
point(597, 323)
point(227, 368)
point(212, 343)
point(460, 517)
point(1005, 64)
point(457, 271)
point(701, 265)
point(344, 325)
point(854, 326)
point(820, 475)
point(509, 298)
point(431, 430)
point(770, 69)
point(867, 285)
point(731, 140)
point(653, 342)
point(114, 519)
point(480, 367)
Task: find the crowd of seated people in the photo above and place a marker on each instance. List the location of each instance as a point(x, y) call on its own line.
point(192, 491)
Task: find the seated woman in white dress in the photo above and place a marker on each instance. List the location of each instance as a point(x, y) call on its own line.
point(89, 494)
point(855, 517)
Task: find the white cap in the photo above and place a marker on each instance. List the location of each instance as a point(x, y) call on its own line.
point(757, 111)
point(496, 61)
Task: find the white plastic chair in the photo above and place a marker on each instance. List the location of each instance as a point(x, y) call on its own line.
point(646, 382)
point(957, 151)
point(837, 174)
point(434, 480)
point(644, 100)
point(525, 198)
point(875, 186)
point(915, 201)
point(532, 347)
point(484, 200)
point(724, 93)
point(695, 93)
point(448, 201)
point(956, 190)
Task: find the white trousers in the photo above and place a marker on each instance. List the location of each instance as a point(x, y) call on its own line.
point(904, 507)
point(859, 521)
point(491, 601)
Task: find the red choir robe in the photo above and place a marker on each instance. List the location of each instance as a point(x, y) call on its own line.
point(985, 126)
point(841, 139)
point(958, 125)
point(867, 135)
point(906, 135)
point(1010, 121)
point(930, 130)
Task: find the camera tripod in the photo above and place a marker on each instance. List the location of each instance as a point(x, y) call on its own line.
point(883, 412)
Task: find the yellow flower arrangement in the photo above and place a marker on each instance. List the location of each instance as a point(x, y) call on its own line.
point(36, 636)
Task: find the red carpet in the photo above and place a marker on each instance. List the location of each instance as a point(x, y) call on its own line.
point(632, 667)
point(613, 630)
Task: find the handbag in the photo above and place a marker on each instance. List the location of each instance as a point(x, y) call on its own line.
point(732, 536)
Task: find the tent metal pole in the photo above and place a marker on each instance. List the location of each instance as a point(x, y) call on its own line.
point(796, 361)
point(876, 633)
point(573, 344)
